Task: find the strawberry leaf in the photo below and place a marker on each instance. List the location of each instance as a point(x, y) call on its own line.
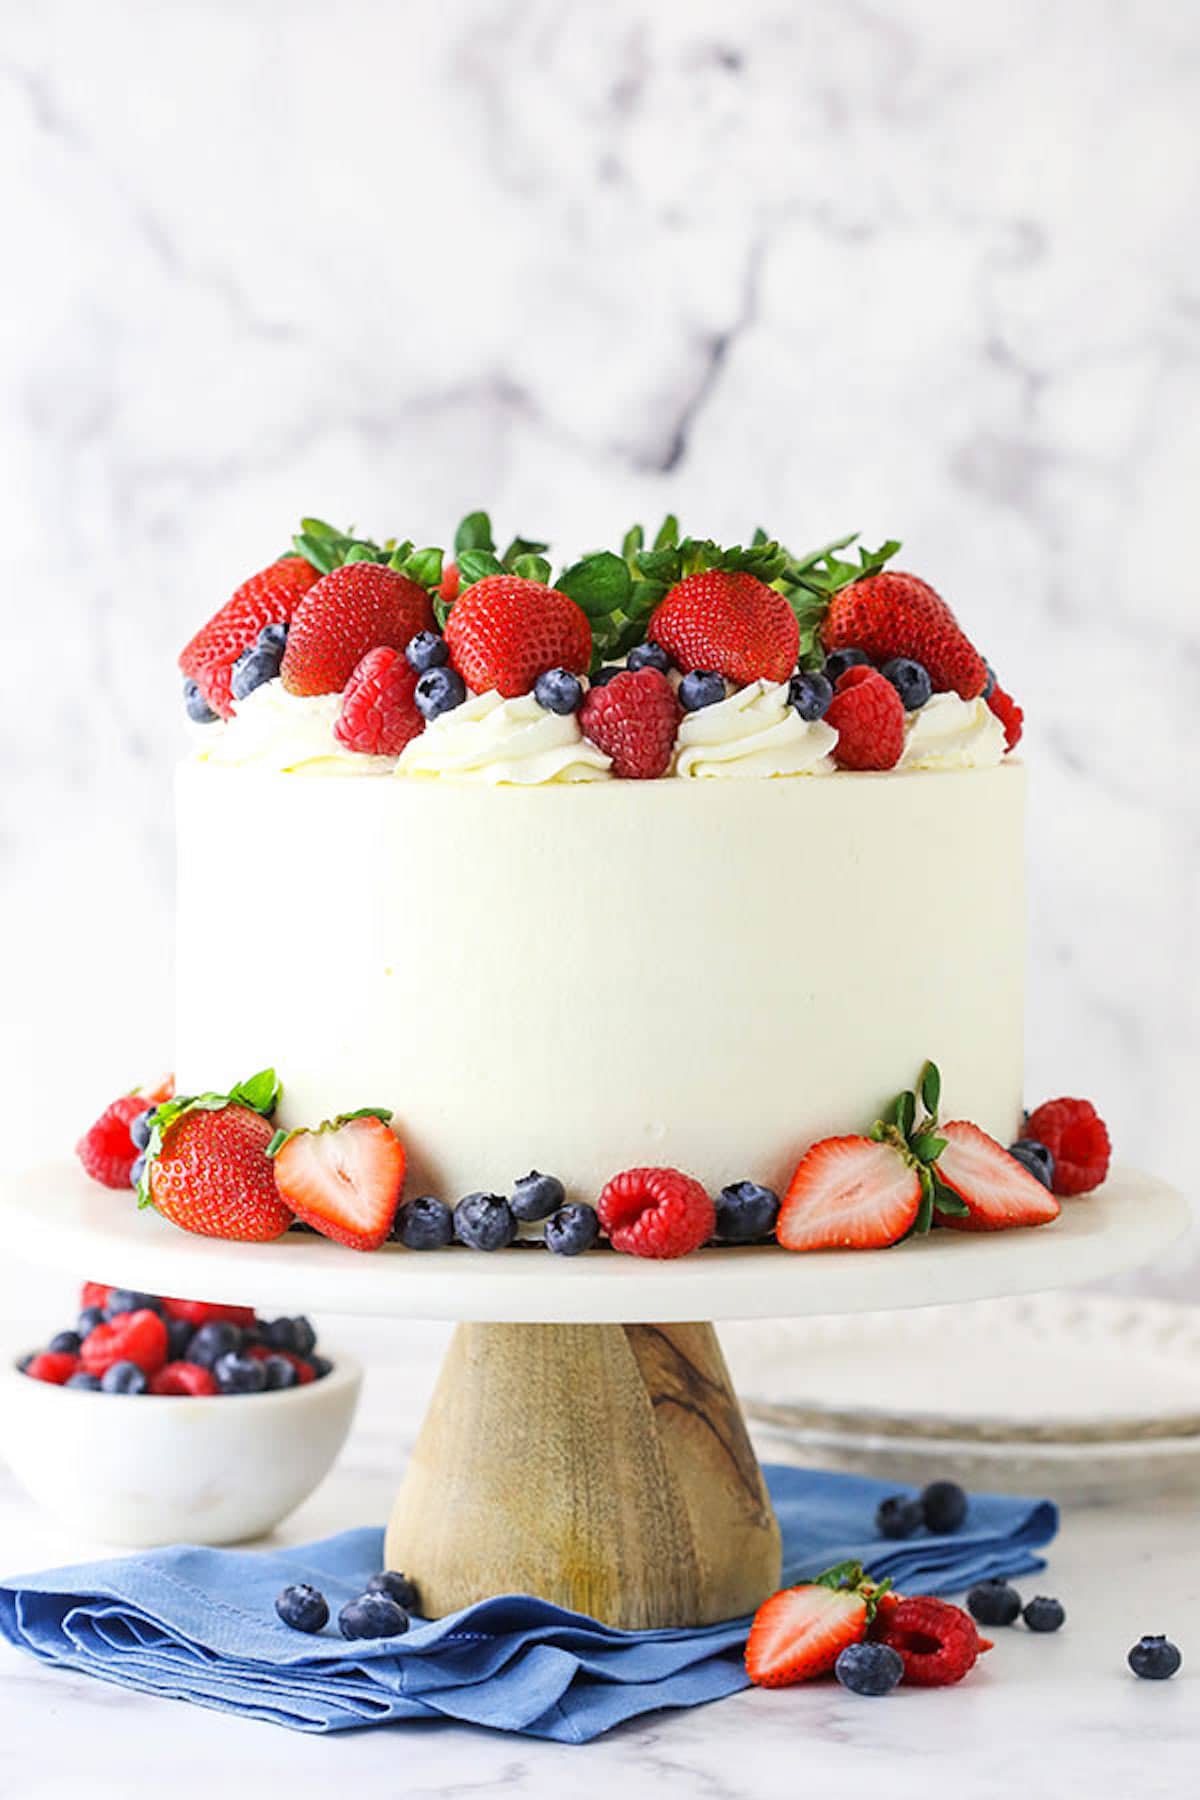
point(633, 541)
point(600, 584)
point(927, 1146)
point(474, 533)
point(522, 547)
point(476, 565)
point(259, 1092)
point(668, 533)
point(530, 567)
point(382, 1113)
point(660, 565)
point(945, 1200)
point(924, 1219)
point(931, 1088)
point(421, 566)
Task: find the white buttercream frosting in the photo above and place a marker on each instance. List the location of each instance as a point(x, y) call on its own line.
point(272, 729)
point(950, 733)
point(753, 733)
point(516, 742)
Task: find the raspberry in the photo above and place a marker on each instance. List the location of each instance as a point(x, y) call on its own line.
point(54, 1366)
point(868, 715)
point(1077, 1138)
point(1009, 715)
point(183, 1378)
point(379, 713)
point(656, 1212)
point(107, 1151)
point(136, 1337)
point(634, 718)
point(937, 1642)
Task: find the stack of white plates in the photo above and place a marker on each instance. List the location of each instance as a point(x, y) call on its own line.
point(1080, 1396)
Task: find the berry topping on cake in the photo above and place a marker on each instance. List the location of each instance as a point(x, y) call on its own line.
point(700, 688)
point(800, 1632)
point(1077, 1138)
point(868, 716)
point(344, 1178)
point(649, 656)
point(810, 692)
point(558, 691)
point(896, 615)
point(838, 661)
point(937, 1643)
point(136, 1337)
point(729, 621)
point(353, 609)
point(196, 706)
point(207, 1168)
point(849, 1193)
point(428, 650)
point(634, 719)
point(260, 663)
point(656, 1212)
point(910, 680)
point(1009, 715)
point(995, 1188)
point(107, 1151)
point(505, 631)
point(379, 710)
point(439, 691)
point(268, 598)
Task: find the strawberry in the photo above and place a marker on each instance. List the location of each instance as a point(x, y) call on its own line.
point(849, 1193)
point(505, 631)
point(344, 1179)
point(205, 1312)
point(634, 718)
point(995, 1188)
point(54, 1366)
point(448, 585)
point(184, 1378)
point(1077, 1138)
point(728, 621)
point(268, 598)
point(94, 1293)
point(1009, 715)
point(211, 1174)
point(346, 613)
point(801, 1631)
point(106, 1150)
point(868, 715)
point(379, 711)
point(893, 614)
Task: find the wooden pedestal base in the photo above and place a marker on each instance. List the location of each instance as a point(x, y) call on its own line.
point(603, 1467)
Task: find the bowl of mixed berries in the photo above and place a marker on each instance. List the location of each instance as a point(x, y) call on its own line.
point(153, 1420)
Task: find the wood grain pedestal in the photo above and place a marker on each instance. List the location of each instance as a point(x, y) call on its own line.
point(604, 1467)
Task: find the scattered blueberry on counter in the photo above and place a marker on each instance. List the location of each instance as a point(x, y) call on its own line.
point(397, 1586)
point(1154, 1659)
point(994, 1602)
point(944, 1505)
point(869, 1668)
point(372, 1616)
point(898, 1516)
point(302, 1607)
point(1043, 1614)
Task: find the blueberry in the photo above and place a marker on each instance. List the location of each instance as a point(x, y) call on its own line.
point(273, 637)
point(989, 686)
point(302, 1607)
point(810, 693)
point(426, 651)
point(994, 1603)
point(603, 676)
point(278, 1372)
point(439, 691)
point(179, 1336)
point(649, 656)
point(81, 1379)
point(746, 1211)
point(198, 709)
point(869, 1668)
point(123, 1378)
point(208, 1342)
point(139, 1128)
point(572, 1229)
point(303, 1335)
point(558, 691)
point(23, 1362)
point(838, 661)
point(126, 1300)
point(397, 1587)
point(910, 680)
point(240, 1374)
point(278, 1334)
point(424, 1223)
point(1152, 1658)
point(898, 1516)
point(484, 1222)
point(252, 668)
point(1042, 1614)
point(136, 1170)
point(944, 1505)
point(89, 1318)
point(372, 1616)
point(65, 1342)
point(703, 687)
point(536, 1196)
point(1036, 1158)
point(320, 1366)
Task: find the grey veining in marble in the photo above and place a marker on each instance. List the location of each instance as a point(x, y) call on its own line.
point(914, 267)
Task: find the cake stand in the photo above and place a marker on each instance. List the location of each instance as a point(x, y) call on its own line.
point(584, 1442)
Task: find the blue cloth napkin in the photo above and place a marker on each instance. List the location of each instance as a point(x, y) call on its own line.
point(200, 1624)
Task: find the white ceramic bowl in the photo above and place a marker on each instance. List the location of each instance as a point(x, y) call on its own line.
point(145, 1470)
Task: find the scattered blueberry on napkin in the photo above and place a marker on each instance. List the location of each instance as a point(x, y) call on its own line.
point(200, 1624)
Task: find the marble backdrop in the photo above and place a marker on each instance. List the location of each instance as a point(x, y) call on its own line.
point(913, 267)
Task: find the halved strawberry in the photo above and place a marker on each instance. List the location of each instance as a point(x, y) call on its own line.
point(995, 1188)
point(729, 621)
point(849, 1193)
point(801, 1631)
point(344, 1178)
point(348, 612)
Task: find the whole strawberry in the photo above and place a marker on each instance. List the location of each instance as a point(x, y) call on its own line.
point(868, 715)
point(893, 614)
point(505, 631)
point(346, 613)
point(379, 710)
point(208, 1171)
point(268, 598)
point(634, 718)
point(728, 621)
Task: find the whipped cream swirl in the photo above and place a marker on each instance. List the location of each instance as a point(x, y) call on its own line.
point(951, 733)
point(287, 733)
point(498, 741)
point(752, 734)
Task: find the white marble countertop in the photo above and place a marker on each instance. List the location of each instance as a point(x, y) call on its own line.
point(1034, 1707)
